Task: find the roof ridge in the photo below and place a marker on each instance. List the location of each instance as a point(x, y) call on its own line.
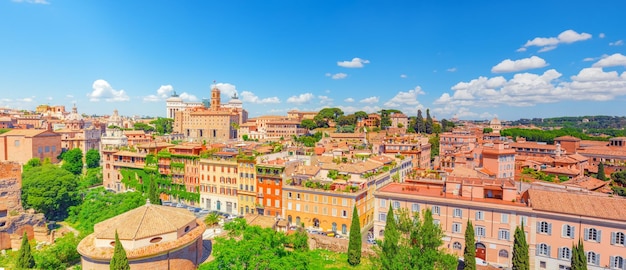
point(141, 221)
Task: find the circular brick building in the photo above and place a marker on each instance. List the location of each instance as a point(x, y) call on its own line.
point(154, 237)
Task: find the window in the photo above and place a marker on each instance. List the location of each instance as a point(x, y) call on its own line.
point(504, 218)
point(542, 264)
point(503, 253)
point(457, 246)
point(334, 212)
point(297, 206)
point(564, 253)
point(289, 195)
point(504, 234)
point(16, 143)
point(276, 192)
point(344, 202)
point(436, 210)
point(277, 204)
point(382, 217)
point(480, 215)
point(334, 201)
point(289, 206)
point(396, 204)
point(458, 212)
point(437, 222)
point(297, 196)
point(593, 258)
point(544, 227)
point(617, 262)
point(543, 250)
point(617, 238)
point(415, 207)
point(593, 234)
point(344, 213)
point(480, 231)
point(568, 231)
point(344, 229)
point(383, 202)
point(456, 227)
point(523, 220)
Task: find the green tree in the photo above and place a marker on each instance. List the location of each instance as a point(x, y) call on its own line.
point(93, 177)
point(360, 115)
point(434, 146)
point(25, 259)
point(153, 191)
point(308, 124)
point(578, 258)
point(354, 246)
point(119, 261)
point(50, 190)
point(520, 259)
point(420, 126)
point(143, 126)
point(487, 130)
point(163, 125)
point(601, 174)
point(73, 161)
point(389, 245)
point(469, 253)
point(429, 123)
point(92, 158)
point(33, 162)
point(212, 219)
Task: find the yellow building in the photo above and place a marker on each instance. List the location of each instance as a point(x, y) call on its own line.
point(247, 191)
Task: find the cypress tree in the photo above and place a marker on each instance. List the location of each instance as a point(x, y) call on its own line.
point(521, 260)
point(578, 258)
point(389, 246)
point(419, 123)
point(354, 246)
point(429, 122)
point(469, 253)
point(25, 258)
point(601, 174)
point(119, 261)
point(153, 192)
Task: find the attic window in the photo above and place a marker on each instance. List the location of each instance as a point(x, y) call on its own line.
point(156, 240)
point(187, 229)
point(112, 243)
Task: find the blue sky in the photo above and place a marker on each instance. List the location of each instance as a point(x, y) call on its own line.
point(510, 59)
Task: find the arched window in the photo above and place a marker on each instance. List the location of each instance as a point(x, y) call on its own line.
point(564, 253)
point(543, 250)
point(297, 221)
point(457, 246)
point(617, 262)
point(289, 219)
point(503, 253)
point(334, 227)
point(381, 233)
point(592, 234)
point(344, 229)
point(592, 258)
point(617, 238)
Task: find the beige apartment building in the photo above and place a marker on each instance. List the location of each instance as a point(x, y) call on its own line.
point(247, 186)
point(219, 184)
point(21, 145)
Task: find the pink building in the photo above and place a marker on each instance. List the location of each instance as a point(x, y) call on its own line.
point(552, 220)
point(21, 145)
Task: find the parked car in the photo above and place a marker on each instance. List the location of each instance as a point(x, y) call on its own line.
point(203, 212)
point(166, 203)
point(371, 241)
point(181, 205)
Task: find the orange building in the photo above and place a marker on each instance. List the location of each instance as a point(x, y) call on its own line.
point(21, 145)
point(270, 186)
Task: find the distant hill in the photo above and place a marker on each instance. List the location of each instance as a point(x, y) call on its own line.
point(581, 122)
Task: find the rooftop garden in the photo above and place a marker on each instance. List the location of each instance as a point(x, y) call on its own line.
point(530, 173)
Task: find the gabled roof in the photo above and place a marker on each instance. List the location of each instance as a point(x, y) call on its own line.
point(29, 132)
point(578, 204)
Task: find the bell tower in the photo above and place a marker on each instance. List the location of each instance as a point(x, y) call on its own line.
point(215, 98)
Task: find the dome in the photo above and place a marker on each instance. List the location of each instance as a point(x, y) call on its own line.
point(495, 121)
point(146, 221)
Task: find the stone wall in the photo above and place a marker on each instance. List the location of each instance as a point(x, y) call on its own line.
point(10, 186)
point(335, 244)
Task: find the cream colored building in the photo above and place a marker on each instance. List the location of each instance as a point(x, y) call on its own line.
point(219, 184)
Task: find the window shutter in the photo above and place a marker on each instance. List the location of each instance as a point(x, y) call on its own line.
point(537, 250)
point(549, 253)
point(563, 230)
point(560, 255)
point(612, 261)
point(599, 236)
point(573, 232)
point(613, 240)
point(549, 228)
point(586, 234)
point(597, 262)
point(538, 226)
point(477, 215)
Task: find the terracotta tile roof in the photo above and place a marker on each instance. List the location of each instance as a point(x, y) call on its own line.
point(25, 132)
point(578, 204)
point(262, 221)
point(567, 139)
point(144, 221)
point(533, 145)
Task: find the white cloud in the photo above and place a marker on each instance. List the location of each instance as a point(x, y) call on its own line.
point(527, 89)
point(69, 96)
point(247, 96)
point(226, 89)
point(617, 59)
point(49, 98)
point(41, 2)
point(162, 93)
point(349, 99)
point(27, 99)
point(589, 59)
point(301, 99)
point(509, 65)
point(453, 69)
point(403, 76)
point(102, 90)
point(405, 100)
point(188, 97)
point(337, 76)
point(601, 35)
point(354, 63)
point(522, 49)
point(369, 100)
point(617, 43)
point(325, 100)
point(550, 43)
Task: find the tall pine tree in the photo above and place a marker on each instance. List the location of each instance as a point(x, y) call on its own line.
point(469, 253)
point(601, 174)
point(419, 123)
point(354, 246)
point(119, 261)
point(578, 258)
point(521, 260)
point(153, 191)
point(389, 245)
point(25, 258)
point(429, 123)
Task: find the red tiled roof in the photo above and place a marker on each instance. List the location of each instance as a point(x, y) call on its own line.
point(578, 204)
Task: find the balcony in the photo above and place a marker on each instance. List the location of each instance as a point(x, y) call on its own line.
point(260, 195)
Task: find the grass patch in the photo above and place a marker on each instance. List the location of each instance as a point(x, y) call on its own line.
point(324, 259)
